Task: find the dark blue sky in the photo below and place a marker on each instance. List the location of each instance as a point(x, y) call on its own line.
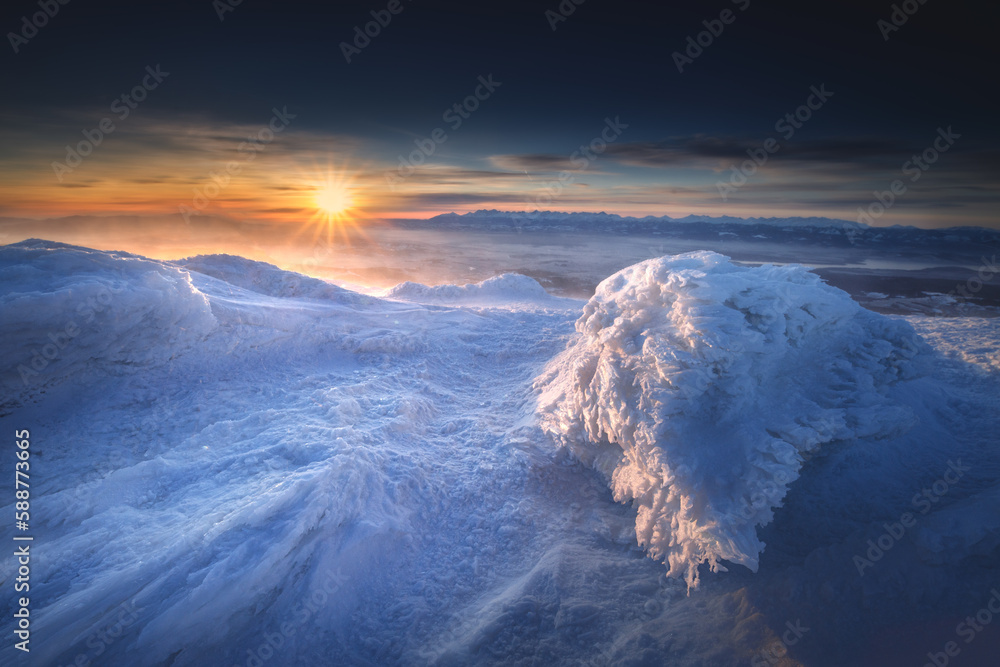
point(685, 130)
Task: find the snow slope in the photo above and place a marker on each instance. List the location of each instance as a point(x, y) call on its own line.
point(235, 465)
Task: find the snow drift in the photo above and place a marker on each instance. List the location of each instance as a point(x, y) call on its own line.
point(498, 290)
point(698, 388)
point(268, 279)
point(68, 310)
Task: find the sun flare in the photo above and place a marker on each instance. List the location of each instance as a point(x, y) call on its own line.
point(336, 201)
point(333, 198)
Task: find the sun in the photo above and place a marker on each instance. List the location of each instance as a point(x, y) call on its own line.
point(337, 204)
point(333, 198)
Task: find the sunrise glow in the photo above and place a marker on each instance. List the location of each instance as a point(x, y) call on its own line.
point(333, 199)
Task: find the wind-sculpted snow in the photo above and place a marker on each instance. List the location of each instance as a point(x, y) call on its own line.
point(234, 465)
point(498, 290)
point(268, 279)
point(67, 310)
point(698, 388)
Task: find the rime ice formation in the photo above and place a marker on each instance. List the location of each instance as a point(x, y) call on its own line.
point(697, 387)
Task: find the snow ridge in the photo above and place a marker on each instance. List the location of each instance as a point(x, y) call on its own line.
point(587, 217)
point(698, 388)
point(268, 279)
point(69, 311)
point(498, 290)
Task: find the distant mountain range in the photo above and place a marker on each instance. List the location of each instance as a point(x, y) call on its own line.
point(964, 241)
point(549, 217)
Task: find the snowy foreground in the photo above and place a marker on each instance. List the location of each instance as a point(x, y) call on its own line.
point(705, 464)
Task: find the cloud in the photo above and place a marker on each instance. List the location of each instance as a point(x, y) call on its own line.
point(444, 200)
point(157, 162)
point(432, 174)
point(537, 163)
point(707, 152)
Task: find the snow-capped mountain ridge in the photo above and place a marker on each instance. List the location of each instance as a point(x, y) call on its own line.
point(958, 244)
point(583, 216)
